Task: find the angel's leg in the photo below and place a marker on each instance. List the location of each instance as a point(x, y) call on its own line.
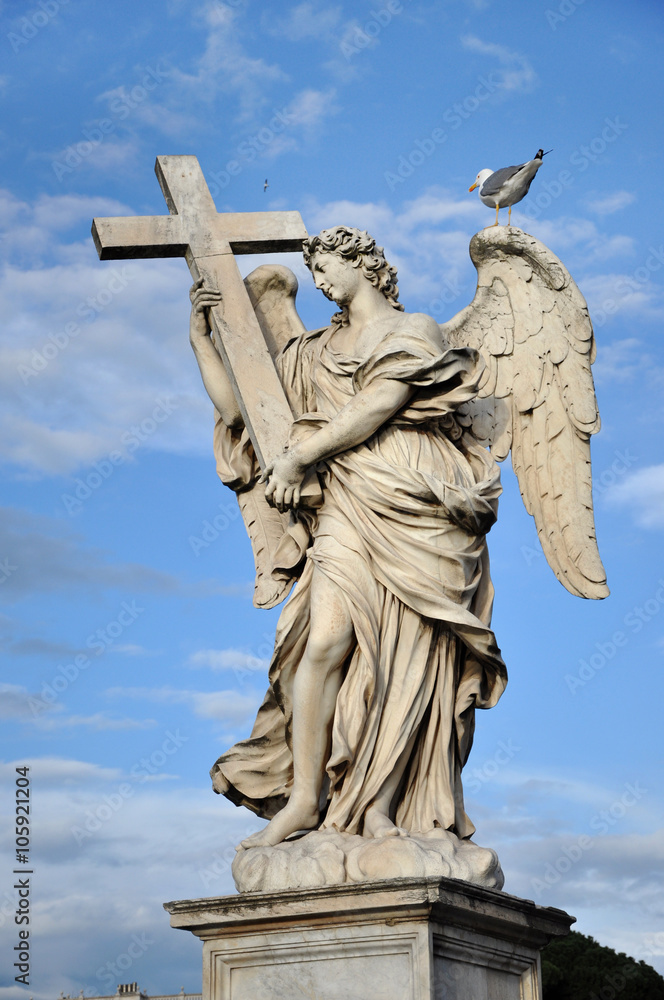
point(316, 686)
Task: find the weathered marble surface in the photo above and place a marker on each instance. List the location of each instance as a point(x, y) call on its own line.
point(406, 939)
point(328, 858)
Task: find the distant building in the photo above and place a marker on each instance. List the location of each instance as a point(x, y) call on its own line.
point(130, 991)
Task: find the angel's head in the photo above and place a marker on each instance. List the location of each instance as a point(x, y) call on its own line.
point(340, 257)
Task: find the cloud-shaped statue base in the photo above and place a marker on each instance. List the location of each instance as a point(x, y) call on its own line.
point(326, 857)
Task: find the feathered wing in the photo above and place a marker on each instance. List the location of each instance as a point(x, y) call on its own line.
point(537, 397)
point(272, 290)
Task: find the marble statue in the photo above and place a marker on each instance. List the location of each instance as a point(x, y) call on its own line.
point(371, 483)
point(384, 650)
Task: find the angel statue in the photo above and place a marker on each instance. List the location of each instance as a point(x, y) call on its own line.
point(384, 649)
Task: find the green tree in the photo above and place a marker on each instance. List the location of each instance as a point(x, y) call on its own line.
point(578, 968)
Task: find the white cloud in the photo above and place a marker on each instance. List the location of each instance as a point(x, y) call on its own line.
point(642, 493)
point(227, 659)
point(109, 155)
point(99, 723)
point(89, 349)
point(619, 293)
point(577, 234)
point(224, 66)
point(611, 203)
point(621, 360)
point(222, 706)
point(517, 74)
point(310, 107)
point(304, 20)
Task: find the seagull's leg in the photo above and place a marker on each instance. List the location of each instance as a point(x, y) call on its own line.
point(497, 210)
point(509, 216)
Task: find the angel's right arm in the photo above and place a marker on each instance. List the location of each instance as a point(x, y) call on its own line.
point(215, 379)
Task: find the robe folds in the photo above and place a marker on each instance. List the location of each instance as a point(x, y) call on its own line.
point(401, 531)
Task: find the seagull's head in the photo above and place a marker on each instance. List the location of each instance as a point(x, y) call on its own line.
point(480, 179)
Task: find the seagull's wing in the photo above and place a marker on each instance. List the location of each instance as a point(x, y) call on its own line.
point(531, 324)
point(493, 184)
point(272, 289)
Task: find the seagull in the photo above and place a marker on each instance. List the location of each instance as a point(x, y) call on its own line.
point(498, 188)
point(265, 186)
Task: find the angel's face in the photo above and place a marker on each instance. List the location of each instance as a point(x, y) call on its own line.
point(336, 277)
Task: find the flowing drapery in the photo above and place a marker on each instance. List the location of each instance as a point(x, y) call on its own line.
point(402, 533)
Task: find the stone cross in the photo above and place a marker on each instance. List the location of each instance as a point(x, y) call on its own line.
point(209, 240)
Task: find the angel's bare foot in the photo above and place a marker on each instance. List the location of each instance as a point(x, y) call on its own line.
point(379, 824)
point(290, 819)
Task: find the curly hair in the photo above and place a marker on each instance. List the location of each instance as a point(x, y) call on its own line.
point(356, 246)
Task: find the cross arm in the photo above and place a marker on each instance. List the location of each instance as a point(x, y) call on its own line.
point(132, 237)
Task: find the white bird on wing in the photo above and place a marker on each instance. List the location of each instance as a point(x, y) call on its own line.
point(501, 188)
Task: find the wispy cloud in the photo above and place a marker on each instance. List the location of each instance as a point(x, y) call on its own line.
point(310, 107)
point(99, 723)
point(224, 66)
point(610, 203)
point(517, 74)
point(622, 360)
point(303, 21)
point(642, 494)
point(222, 706)
point(233, 660)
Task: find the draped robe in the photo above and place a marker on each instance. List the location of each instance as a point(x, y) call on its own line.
point(401, 531)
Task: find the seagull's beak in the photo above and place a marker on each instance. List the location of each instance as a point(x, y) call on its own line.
point(476, 184)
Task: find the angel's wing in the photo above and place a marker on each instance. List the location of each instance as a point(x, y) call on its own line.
point(531, 324)
point(272, 289)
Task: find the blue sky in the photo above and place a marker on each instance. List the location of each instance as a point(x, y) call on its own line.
point(132, 653)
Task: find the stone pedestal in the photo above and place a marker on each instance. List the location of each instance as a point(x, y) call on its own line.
point(403, 939)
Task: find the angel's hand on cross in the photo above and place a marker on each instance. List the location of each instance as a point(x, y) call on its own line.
point(284, 479)
point(202, 299)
